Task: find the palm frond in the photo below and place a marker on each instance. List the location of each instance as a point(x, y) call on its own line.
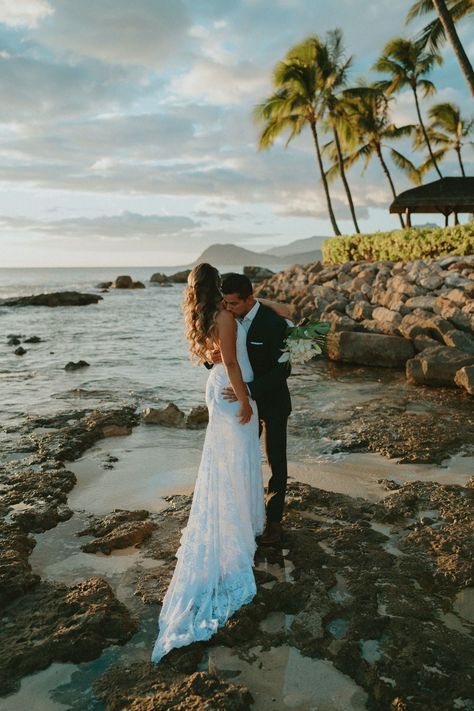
point(404, 164)
point(427, 87)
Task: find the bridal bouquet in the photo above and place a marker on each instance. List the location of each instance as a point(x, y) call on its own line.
point(304, 341)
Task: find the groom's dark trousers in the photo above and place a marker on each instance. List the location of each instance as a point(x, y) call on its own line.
point(265, 341)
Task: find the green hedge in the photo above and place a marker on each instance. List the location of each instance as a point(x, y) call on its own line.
point(401, 245)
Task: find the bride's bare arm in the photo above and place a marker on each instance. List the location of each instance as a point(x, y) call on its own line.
point(283, 310)
point(226, 332)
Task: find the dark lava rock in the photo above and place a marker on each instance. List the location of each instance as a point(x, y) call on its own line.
point(367, 583)
point(20, 351)
point(151, 687)
point(159, 278)
point(169, 416)
point(41, 517)
point(16, 576)
point(42, 487)
point(197, 417)
point(104, 285)
point(58, 298)
point(398, 428)
point(76, 365)
point(180, 277)
point(56, 623)
point(117, 530)
point(13, 341)
point(258, 274)
point(71, 440)
point(33, 339)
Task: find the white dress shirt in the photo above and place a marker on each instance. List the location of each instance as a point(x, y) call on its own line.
point(246, 321)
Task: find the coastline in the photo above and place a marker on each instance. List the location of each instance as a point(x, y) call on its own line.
point(377, 548)
point(344, 507)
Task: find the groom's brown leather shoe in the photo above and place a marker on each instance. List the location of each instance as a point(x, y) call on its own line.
point(272, 534)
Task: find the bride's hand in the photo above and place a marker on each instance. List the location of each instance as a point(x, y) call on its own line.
point(245, 412)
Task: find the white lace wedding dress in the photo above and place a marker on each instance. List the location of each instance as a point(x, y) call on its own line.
point(213, 576)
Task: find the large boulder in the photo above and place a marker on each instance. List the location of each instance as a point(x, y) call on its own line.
point(437, 366)
point(159, 278)
point(123, 282)
point(56, 298)
point(448, 310)
point(340, 322)
point(369, 349)
point(380, 313)
point(414, 325)
point(197, 417)
point(169, 416)
point(126, 282)
point(180, 277)
point(76, 365)
point(459, 339)
point(421, 302)
point(257, 274)
point(464, 378)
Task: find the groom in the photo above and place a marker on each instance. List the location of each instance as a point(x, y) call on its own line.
point(266, 332)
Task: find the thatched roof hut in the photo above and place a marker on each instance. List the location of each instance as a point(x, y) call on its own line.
point(445, 196)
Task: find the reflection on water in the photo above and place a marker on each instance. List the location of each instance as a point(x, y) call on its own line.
point(285, 679)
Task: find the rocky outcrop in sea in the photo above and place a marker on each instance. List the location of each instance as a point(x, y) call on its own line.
point(418, 315)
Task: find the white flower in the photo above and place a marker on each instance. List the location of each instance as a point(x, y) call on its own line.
point(299, 350)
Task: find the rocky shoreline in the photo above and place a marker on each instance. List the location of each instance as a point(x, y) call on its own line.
point(418, 315)
point(361, 588)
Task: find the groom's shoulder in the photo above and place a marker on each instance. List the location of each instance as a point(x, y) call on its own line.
point(268, 315)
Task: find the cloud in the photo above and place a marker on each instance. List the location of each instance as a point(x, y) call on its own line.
point(142, 32)
point(39, 89)
point(23, 13)
point(219, 84)
point(144, 110)
point(126, 225)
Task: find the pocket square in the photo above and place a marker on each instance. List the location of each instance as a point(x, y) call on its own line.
point(256, 343)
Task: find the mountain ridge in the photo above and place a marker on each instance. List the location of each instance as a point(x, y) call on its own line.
point(232, 255)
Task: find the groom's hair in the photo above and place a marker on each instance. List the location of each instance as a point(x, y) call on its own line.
point(237, 284)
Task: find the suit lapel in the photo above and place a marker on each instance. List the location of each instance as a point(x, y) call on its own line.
point(254, 326)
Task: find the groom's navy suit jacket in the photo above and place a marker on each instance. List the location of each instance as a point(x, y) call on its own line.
point(265, 341)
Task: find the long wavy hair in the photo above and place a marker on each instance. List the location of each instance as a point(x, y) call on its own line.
point(202, 302)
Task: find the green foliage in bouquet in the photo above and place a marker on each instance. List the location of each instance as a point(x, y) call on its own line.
point(401, 245)
point(305, 341)
point(315, 331)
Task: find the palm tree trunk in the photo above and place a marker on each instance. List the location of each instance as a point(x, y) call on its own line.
point(323, 178)
point(342, 171)
point(458, 151)
point(427, 140)
point(378, 150)
point(450, 30)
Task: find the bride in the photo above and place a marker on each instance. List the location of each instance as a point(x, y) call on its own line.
point(213, 576)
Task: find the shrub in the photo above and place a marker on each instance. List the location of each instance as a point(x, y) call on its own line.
point(401, 245)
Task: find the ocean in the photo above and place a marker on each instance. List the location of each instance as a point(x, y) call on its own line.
point(132, 339)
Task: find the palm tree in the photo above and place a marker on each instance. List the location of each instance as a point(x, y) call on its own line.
point(407, 63)
point(296, 102)
point(443, 27)
point(447, 130)
point(366, 129)
point(333, 70)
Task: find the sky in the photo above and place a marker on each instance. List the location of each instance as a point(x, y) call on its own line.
point(126, 130)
